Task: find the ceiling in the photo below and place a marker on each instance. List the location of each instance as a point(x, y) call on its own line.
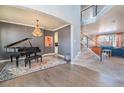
point(111, 22)
point(25, 16)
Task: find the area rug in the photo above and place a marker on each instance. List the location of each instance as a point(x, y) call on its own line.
point(10, 71)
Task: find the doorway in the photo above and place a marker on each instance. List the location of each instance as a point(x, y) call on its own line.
point(56, 42)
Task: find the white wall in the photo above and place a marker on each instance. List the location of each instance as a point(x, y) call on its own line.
point(69, 13)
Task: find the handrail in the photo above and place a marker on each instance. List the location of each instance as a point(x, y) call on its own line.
point(87, 8)
point(94, 41)
point(100, 56)
point(96, 12)
point(98, 45)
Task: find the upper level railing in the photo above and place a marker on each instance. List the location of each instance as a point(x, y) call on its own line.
point(89, 12)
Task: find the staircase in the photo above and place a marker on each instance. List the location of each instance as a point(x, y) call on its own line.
point(87, 45)
point(87, 55)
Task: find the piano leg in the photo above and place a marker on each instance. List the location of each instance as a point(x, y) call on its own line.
point(29, 63)
point(41, 58)
point(11, 58)
point(26, 62)
point(17, 61)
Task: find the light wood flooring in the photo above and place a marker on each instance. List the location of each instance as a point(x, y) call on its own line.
point(87, 71)
point(112, 67)
point(67, 75)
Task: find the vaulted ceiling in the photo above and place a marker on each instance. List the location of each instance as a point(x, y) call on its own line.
point(25, 16)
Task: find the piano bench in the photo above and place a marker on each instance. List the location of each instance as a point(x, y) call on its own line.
point(28, 59)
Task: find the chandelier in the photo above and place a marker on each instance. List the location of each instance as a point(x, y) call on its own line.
point(37, 32)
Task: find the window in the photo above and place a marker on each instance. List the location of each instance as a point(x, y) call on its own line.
point(110, 40)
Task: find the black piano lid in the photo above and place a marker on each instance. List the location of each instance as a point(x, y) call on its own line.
point(17, 42)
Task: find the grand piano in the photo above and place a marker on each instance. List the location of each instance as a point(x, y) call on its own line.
point(26, 52)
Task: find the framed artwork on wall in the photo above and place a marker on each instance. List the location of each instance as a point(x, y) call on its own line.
point(48, 41)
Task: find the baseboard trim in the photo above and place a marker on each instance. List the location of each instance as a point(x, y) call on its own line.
point(48, 54)
point(62, 56)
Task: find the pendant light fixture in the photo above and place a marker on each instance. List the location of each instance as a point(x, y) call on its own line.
point(37, 32)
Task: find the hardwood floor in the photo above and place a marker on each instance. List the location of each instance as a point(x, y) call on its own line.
point(111, 66)
point(67, 75)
